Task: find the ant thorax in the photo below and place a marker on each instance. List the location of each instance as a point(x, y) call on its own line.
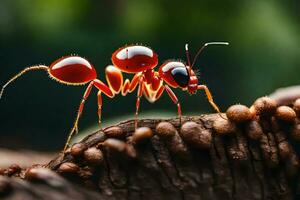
point(134, 59)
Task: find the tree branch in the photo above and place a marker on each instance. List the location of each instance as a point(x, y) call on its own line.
point(249, 153)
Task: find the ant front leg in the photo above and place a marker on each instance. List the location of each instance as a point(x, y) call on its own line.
point(209, 97)
point(74, 129)
point(175, 101)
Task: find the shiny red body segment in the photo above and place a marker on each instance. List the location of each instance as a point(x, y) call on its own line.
point(166, 69)
point(133, 59)
point(72, 70)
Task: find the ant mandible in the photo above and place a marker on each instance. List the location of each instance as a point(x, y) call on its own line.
point(140, 60)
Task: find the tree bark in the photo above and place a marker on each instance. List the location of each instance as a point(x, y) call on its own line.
point(232, 167)
point(253, 158)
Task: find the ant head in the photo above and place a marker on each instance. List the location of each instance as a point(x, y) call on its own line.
point(175, 74)
point(193, 82)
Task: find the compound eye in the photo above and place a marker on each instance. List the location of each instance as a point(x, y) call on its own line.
point(181, 76)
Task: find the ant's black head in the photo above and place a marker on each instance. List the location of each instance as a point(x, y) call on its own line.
point(175, 74)
point(181, 76)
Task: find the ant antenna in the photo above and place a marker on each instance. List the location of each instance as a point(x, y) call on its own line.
point(205, 45)
point(187, 54)
point(188, 57)
point(39, 67)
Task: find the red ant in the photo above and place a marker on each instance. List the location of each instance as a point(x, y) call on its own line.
point(140, 60)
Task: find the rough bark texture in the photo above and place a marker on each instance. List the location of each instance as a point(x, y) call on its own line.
point(48, 187)
point(251, 155)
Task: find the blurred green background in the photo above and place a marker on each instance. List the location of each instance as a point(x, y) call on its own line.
point(37, 113)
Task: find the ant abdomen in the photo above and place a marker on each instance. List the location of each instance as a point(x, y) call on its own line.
point(73, 70)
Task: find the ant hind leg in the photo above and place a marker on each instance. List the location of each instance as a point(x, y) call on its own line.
point(74, 129)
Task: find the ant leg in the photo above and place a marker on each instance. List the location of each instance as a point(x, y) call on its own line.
point(175, 101)
point(114, 78)
point(138, 100)
point(210, 98)
point(160, 90)
point(32, 68)
point(148, 93)
point(102, 89)
point(129, 86)
point(134, 82)
point(74, 129)
point(99, 96)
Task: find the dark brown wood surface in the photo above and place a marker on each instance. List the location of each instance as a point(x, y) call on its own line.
point(253, 155)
